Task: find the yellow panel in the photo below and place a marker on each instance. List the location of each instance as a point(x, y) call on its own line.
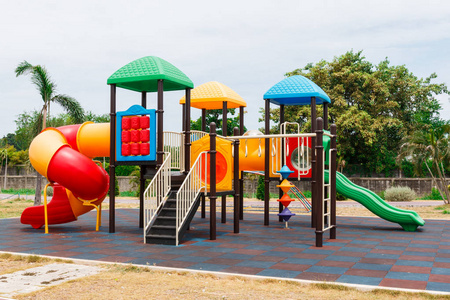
point(93, 139)
point(211, 95)
point(224, 148)
point(77, 205)
point(43, 147)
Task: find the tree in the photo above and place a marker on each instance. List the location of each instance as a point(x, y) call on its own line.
point(431, 145)
point(215, 115)
point(373, 106)
point(47, 89)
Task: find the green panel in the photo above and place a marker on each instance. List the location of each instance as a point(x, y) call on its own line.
point(142, 75)
point(408, 219)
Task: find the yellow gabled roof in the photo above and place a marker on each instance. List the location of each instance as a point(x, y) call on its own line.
point(211, 95)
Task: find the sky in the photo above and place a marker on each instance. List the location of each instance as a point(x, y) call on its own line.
point(246, 45)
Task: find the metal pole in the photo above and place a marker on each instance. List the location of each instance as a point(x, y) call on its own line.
point(283, 161)
point(187, 136)
point(325, 115)
point(241, 179)
point(267, 165)
point(112, 162)
point(203, 119)
point(160, 112)
point(332, 180)
point(6, 169)
point(203, 213)
point(224, 133)
point(212, 181)
point(319, 184)
point(236, 182)
point(183, 117)
point(142, 173)
point(313, 161)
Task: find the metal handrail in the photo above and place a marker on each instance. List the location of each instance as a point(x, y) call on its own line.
point(174, 143)
point(326, 197)
point(156, 193)
point(193, 184)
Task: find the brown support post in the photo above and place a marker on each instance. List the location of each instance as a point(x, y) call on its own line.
point(332, 180)
point(224, 133)
point(325, 127)
point(313, 161)
point(319, 183)
point(112, 162)
point(267, 164)
point(241, 179)
point(325, 115)
point(203, 207)
point(212, 181)
point(160, 112)
point(183, 117)
point(236, 182)
point(203, 119)
point(187, 133)
point(141, 177)
point(204, 130)
point(283, 161)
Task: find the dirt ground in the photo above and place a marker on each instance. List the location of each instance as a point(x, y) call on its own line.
point(129, 282)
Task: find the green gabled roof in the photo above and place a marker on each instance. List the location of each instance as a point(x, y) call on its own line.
point(142, 75)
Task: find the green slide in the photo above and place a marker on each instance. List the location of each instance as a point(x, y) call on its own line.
point(408, 219)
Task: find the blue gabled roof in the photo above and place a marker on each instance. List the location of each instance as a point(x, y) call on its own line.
point(296, 90)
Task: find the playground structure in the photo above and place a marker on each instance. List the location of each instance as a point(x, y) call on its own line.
point(187, 166)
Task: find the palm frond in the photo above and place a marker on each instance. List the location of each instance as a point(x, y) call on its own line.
point(72, 106)
point(23, 68)
point(42, 80)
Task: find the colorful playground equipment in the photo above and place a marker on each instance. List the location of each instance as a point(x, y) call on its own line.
point(64, 156)
point(184, 167)
point(285, 200)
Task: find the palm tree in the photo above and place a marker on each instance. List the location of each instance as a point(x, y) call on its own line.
point(47, 90)
point(430, 145)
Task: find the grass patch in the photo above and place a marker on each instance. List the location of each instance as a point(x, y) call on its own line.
point(19, 191)
point(129, 194)
point(10, 208)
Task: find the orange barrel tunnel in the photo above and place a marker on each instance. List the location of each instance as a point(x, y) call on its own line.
point(224, 161)
point(64, 156)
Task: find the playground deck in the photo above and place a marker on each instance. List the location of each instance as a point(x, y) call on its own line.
point(368, 251)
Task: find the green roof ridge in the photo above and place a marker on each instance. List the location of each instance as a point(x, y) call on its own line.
point(143, 74)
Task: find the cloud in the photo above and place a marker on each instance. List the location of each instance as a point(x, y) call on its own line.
point(246, 45)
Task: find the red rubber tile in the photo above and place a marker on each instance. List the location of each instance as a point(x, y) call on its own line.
point(411, 269)
point(333, 263)
point(417, 258)
point(385, 251)
point(310, 256)
point(318, 276)
point(439, 278)
point(366, 273)
point(249, 251)
point(242, 270)
point(378, 261)
point(290, 267)
point(404, 284)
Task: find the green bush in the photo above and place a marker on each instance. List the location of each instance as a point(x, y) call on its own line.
point(260, 188)
point(340, 197)
point(399, 193)
point(435, 195)
point(382, 195)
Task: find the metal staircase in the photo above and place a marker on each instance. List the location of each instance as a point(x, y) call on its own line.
point(171, 200)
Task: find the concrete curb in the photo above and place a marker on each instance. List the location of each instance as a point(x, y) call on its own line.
point(360, 287)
